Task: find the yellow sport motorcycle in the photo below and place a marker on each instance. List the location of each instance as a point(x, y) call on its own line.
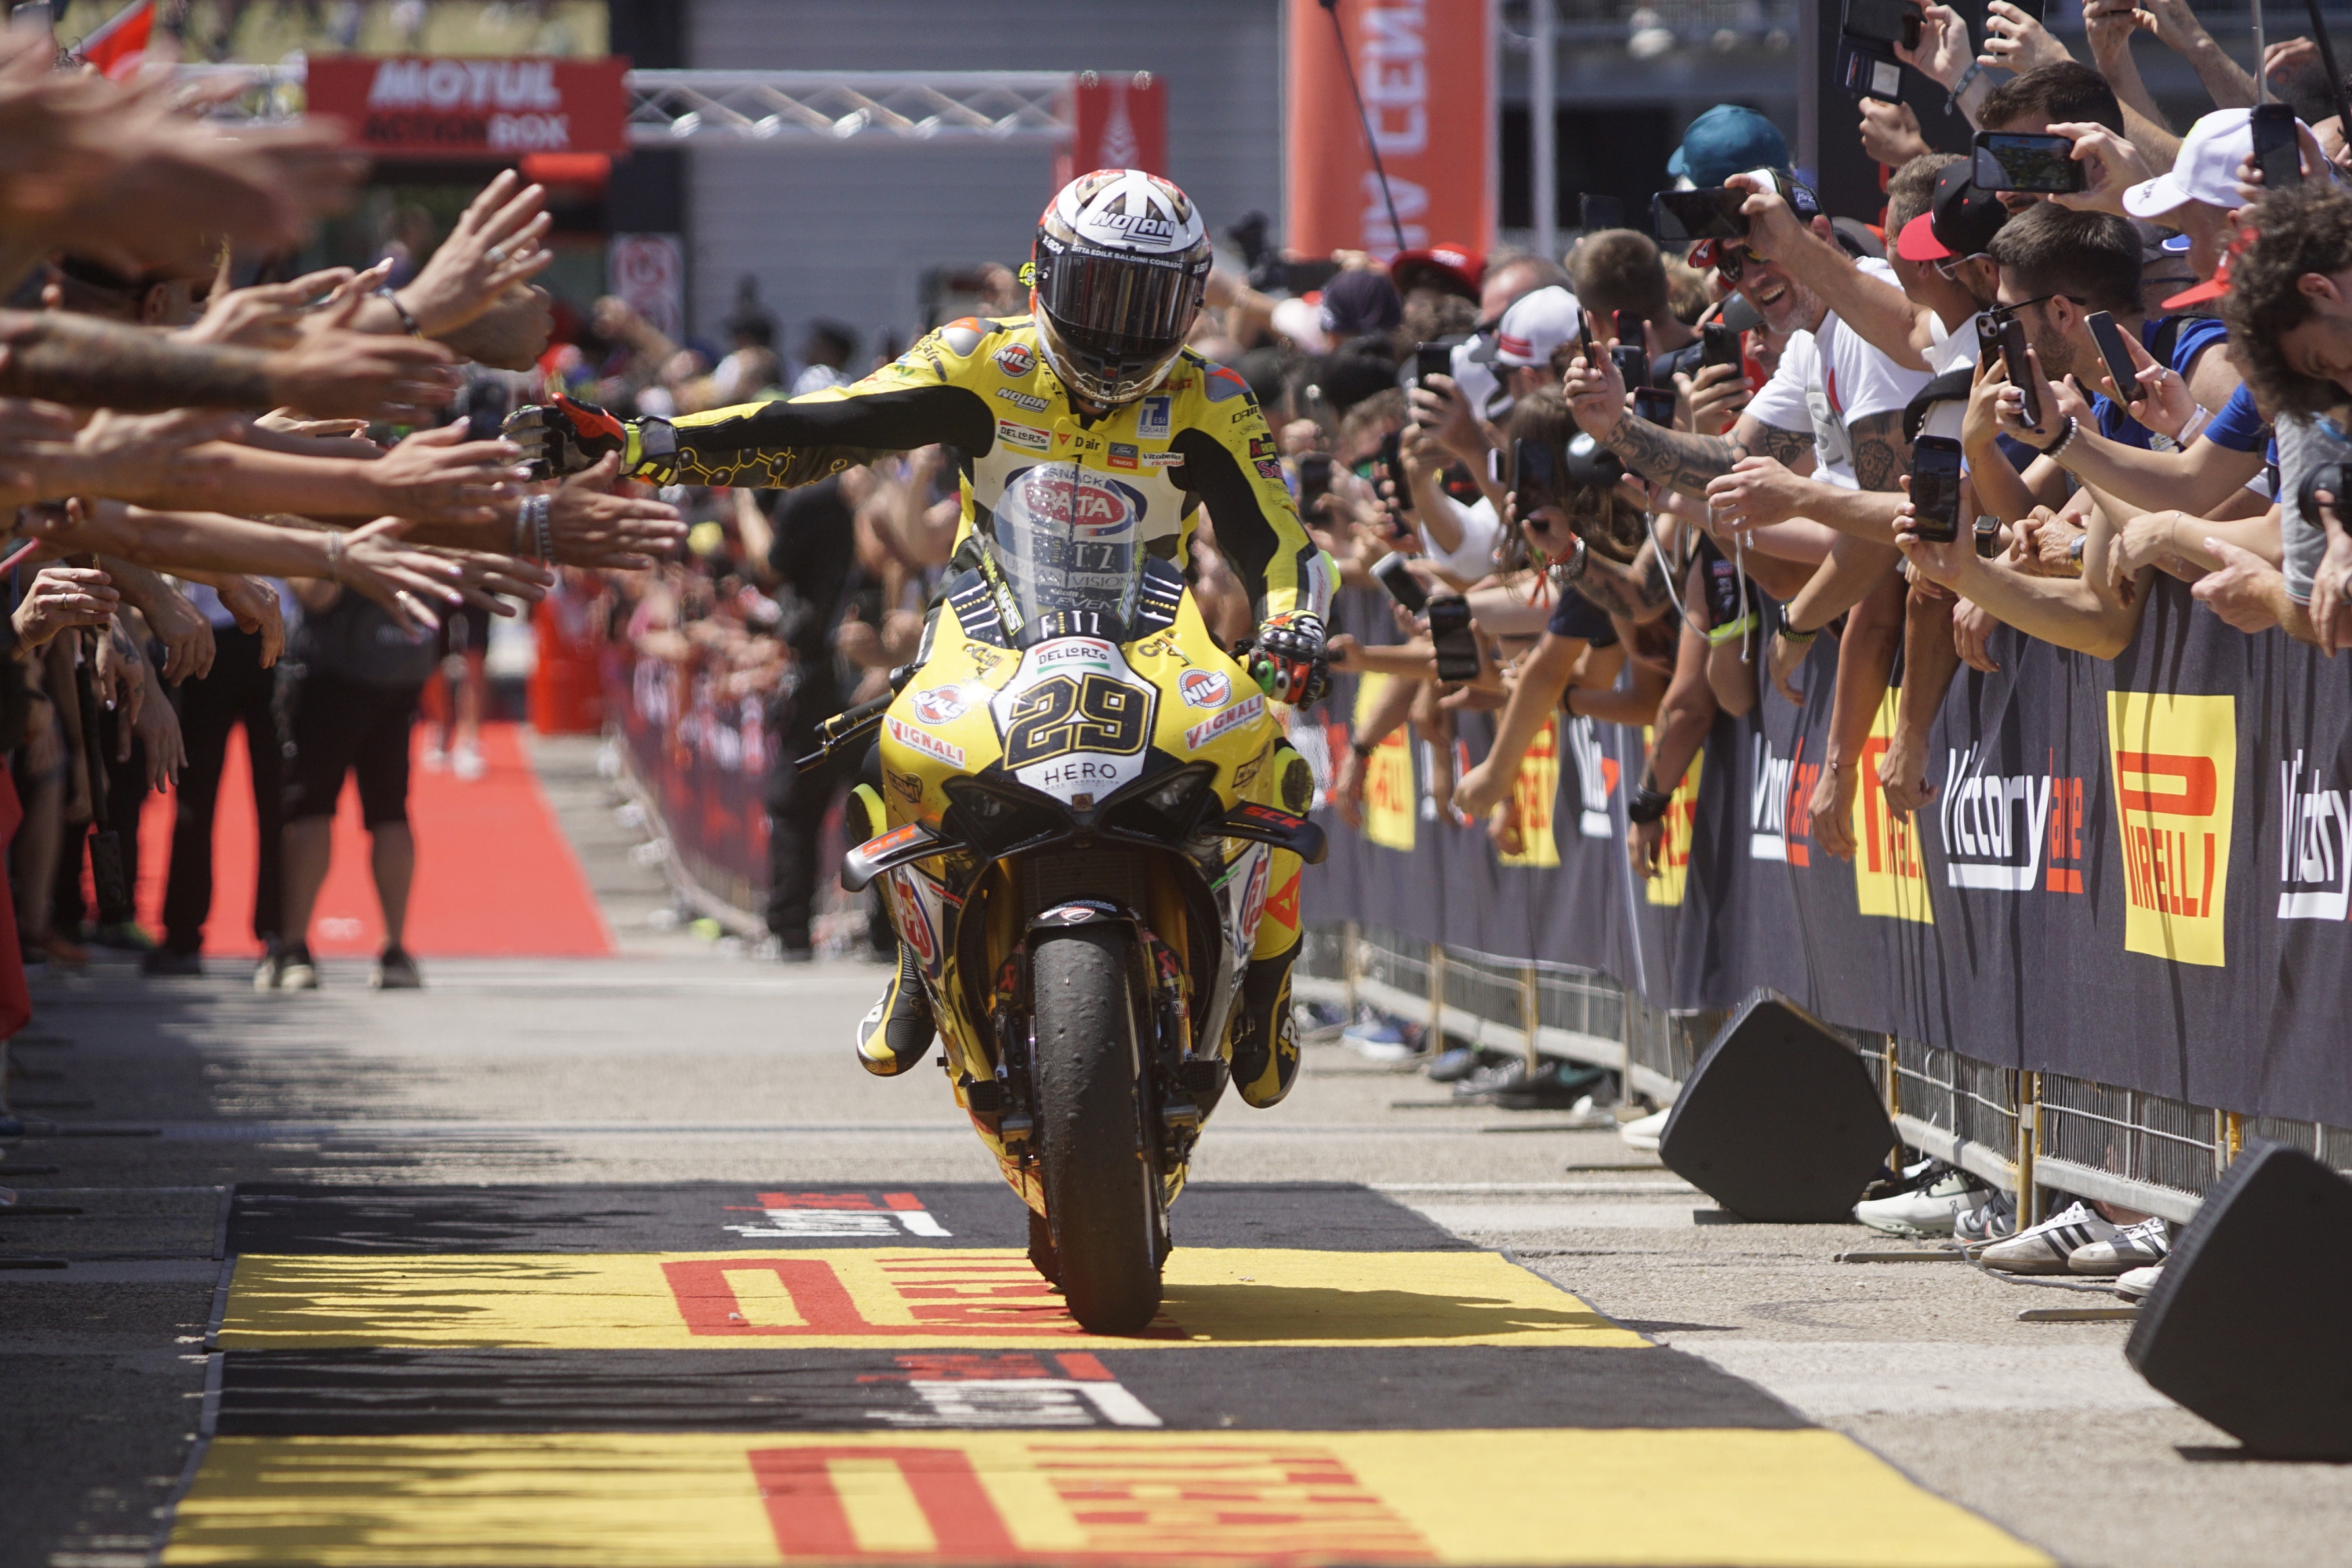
point(1083, 806)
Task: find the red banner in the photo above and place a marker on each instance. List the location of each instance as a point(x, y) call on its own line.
point(1423, 68)
point(1119, 121)
point(467, 107)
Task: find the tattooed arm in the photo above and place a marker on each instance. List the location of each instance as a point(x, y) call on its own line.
point(1676, 458)
point(1637, 592)
point(88, 362)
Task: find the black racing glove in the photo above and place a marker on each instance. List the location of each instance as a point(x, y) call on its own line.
point(1287, 659)
point(566, 437)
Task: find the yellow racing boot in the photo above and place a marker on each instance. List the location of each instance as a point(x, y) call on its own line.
point(895, 1035)
point(1264, 1035)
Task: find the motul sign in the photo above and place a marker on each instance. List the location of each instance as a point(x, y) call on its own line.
point(474, 108)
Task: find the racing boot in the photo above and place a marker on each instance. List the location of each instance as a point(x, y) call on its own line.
point(895, 1035)
point(1265, 1035)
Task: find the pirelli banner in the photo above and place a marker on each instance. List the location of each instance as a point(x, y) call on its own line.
point(2135, 871)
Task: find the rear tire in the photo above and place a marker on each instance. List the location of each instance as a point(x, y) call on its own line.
point(1101, 1187)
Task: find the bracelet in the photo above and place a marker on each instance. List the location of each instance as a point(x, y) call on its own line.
point(1732, 631)
point(2197, 422)
point(1789, 634)
point(2073, 425)
point(334, 556)
point(1952, 98)
point(1647, 805)
point(384, 293)
point(1364, 751)
point(533, 516)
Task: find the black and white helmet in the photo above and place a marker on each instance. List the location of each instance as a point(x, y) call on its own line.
point(1121, 261)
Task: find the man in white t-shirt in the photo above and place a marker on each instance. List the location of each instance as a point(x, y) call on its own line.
point(1832, 410)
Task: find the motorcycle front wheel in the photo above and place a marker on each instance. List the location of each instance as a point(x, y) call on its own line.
point(1101, 1190)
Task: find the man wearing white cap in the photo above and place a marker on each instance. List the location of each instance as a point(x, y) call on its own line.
point(2201, 190)
point(1530, 336)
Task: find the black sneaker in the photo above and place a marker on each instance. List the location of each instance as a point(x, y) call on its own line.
point(162, 963)
point(395, 970)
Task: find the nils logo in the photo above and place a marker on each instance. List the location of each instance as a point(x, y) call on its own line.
point(1206, 688)
point(1015, 359)
point(2175, 785)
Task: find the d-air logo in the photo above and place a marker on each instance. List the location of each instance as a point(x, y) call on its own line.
point(1016, 360)
point(2175, 785)
point(2315, 847)
point(1152, 421)
point(940, 704)
point(803, 1215)
point(1028, 400)
point(1028, 437)
point(923, 741)
point(1597, 774)
point(2010, 832)
point(1206, 688)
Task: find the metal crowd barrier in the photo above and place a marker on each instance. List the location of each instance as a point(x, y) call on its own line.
point(2027, 1133)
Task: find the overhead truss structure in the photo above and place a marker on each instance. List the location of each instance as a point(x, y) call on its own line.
point(671, 108)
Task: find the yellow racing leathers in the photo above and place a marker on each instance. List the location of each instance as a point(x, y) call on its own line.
point(984, 388)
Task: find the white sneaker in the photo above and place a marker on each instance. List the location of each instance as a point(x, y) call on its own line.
point(1644, 1133)
point(2045, 1247)
point(435, 759)
point(2134, 1284)
point(1379, 1040)
point(468, 763)
point(2133, 1246)
point(1924, 1211)
point(1988, 1221)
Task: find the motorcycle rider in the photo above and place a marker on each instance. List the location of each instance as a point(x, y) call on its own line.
point(1096, 377)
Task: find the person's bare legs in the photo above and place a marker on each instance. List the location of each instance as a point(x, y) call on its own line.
point(310, 850)
point(393, 858)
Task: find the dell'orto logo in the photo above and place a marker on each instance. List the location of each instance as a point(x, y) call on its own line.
point(2315, 847)
point(2176, 773)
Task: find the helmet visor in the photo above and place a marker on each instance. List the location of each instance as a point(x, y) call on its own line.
point(1119, 306)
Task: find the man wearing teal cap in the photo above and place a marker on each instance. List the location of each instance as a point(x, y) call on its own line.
point(1725, 140)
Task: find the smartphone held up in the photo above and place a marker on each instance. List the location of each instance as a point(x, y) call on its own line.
point(1935, 489)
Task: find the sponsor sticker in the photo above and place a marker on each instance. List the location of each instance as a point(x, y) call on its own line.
point(2315, 846)
point(1206, 688)
point(940, 704)
point(923, 741)
point(1092, 652)
point(1253, 905)
point(1152, 422)
point(914, 923)
point(1269, 468)
point(1232, 718)
point(1123, 455)
point(1163, 459)
point(1263, 447)
point(1015, 359)
point(1026, 437)
point(1028, 400)
point(2176, 774)
point(906, 786)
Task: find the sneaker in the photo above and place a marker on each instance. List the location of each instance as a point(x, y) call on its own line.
point(434, 758)
point(1381, 1040)
point(1928, 1209)
point(62, 950)
point(2135, 1246)
point(793, 952)
point(1452, 1066)
point(394, 971)
point(1990, 1221)
point(468, 763)
point(2134, 1284)
point(291, 970)
point(162, 963)
point(893, 1037)
point(123, 936)
point(1554, 1085)
point(1643, 1131)
point(2045, 1247)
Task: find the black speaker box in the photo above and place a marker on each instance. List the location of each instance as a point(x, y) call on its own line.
point(2247, 1325)
point(1779, 1121)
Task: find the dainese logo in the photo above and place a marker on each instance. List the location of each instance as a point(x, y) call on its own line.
point(2176, 778)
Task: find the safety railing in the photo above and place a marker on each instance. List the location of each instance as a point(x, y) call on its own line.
point(2027, 1133)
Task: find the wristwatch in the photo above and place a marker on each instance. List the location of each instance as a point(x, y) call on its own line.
point(2074, 548)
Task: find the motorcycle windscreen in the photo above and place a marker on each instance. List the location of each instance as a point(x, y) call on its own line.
point(1069, 544)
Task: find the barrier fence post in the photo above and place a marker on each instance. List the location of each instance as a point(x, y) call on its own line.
point(2028, 1144)
point(1529, 1014)
point(1436, 1039)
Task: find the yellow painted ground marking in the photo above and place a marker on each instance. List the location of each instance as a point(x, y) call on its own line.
point(675, 1501)
point(887, 1298)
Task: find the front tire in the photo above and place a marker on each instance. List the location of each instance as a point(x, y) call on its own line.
point(1101, 1189)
